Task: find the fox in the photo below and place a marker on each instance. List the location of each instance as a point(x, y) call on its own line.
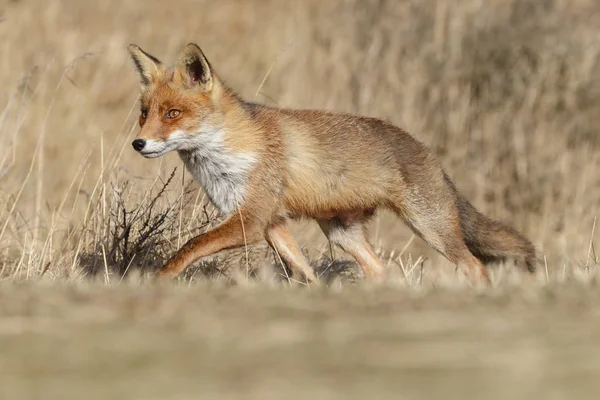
point(262, 167)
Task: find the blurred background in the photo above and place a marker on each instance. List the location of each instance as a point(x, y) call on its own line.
point(507, 93)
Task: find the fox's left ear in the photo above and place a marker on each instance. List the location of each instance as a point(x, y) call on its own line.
point(148, 67)
point(195, 68)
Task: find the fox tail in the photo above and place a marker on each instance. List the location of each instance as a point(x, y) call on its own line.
point(492, 241)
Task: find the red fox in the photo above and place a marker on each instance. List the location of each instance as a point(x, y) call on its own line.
point(262, 166)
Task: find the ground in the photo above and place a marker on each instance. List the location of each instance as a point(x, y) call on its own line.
point(254, 342)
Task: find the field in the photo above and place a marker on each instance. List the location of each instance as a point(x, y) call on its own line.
point(507, 93)
point(145, 342)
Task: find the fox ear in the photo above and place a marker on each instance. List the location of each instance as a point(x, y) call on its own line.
point(148, 67)
point(195, 68)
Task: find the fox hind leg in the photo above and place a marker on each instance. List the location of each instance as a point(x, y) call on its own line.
point(437, 222)
point(349, 234)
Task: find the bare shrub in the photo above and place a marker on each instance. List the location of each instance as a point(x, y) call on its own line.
point(137, 235)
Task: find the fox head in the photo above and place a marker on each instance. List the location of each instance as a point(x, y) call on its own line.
point(177, 103)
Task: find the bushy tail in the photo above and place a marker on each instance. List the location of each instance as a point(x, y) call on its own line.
point(489, 240)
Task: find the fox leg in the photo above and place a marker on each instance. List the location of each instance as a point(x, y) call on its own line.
point(349, 234)
point(281, 240)
point(233, 232)
point(439, 225)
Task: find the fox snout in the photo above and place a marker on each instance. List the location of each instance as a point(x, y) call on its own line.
point(151, 148)
point(139, 144)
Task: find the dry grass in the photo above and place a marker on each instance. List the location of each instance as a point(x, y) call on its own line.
point(507, 92)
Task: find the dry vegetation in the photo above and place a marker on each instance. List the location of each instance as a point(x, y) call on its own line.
point(507, 92)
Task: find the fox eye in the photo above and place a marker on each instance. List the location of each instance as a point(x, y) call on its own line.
point(173, 113)
point(143, 116)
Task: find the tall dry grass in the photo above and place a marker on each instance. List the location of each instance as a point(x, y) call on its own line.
point(507, 92)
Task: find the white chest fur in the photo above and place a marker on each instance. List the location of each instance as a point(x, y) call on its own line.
point(222, 173)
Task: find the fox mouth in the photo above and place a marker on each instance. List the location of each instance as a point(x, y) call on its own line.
point(152, 154)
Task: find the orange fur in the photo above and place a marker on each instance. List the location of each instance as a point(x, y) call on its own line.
point(263, 166)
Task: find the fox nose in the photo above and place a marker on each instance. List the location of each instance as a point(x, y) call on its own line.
point(138, 144)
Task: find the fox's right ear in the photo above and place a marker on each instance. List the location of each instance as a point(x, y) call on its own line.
point(195, 68)
point(148, 67)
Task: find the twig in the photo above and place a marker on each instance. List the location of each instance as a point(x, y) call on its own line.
point(271, 67)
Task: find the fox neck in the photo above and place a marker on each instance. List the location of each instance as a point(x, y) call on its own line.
point(222, 173)
point(220, 166)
